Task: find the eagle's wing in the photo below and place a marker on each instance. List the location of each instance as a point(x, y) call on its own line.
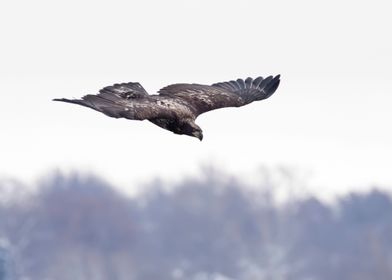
point(126, 100)
point(203, 98)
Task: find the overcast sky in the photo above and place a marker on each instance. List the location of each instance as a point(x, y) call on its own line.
point(330, 118)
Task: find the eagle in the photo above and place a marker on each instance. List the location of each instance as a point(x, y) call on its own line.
point(177, 106)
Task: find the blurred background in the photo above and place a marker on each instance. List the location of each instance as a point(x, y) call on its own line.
point(293, 187)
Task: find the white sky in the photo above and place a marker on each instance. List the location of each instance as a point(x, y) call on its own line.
point(330, 117)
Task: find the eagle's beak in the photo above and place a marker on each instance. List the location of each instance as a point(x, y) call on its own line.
point(198, 134)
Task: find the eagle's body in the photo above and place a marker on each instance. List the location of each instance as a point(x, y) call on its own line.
point(177, 106)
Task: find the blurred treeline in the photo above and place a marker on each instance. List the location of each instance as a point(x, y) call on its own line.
point(80, 228)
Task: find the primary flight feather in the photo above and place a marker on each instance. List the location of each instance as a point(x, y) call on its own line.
point(177, 106)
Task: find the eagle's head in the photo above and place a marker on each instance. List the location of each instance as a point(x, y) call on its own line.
point(189, 127)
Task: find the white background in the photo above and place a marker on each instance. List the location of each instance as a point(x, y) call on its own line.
point(330, 118)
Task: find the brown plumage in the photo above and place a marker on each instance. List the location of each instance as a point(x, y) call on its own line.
point(177, 106)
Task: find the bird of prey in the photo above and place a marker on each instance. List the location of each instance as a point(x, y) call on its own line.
point(178, 105)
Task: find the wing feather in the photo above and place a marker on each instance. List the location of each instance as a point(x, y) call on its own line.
point(241, 83)
point(259, 88)
point(257, 82)
point(202, 98)
point(248, 83)
point(124, 90)
point(127, 100)
point(236, 93)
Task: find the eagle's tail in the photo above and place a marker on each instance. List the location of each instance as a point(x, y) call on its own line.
point(252, 89)
point(74, 101)
point(100, 104)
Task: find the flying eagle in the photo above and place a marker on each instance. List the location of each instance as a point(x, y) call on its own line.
point(178, 105)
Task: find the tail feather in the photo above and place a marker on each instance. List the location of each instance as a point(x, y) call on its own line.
point(252, 89)
point(75, 101)
point(108, 107)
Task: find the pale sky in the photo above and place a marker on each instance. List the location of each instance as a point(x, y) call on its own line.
point(330, 117)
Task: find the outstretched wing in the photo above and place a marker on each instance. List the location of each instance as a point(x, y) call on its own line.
point(124, 90)
point(203, 98)
point(127, 100)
